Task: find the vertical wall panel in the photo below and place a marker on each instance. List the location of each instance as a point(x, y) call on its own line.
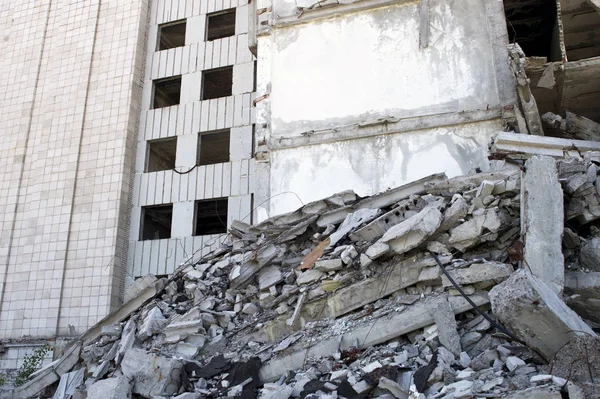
point(204, 116)
point(197, 110)
point(212, 114)
point(178, 61)
point(200, 178)
point(226, 182)
point(231, 57)
point(244, 177)
point(221, 105)
point(208, 186)
point(163, 254)
point(160, 184)
point(236, 169)
point(229, 111)
point(164, 122)
point(218, 181)
point(173, 113)
point(167, 189)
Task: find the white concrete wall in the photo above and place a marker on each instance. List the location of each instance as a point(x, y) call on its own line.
point(330, 71)
point(374, 164)
point(71, 88)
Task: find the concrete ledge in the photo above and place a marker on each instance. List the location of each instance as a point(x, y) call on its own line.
point(374, 333)
point(524, 146)
point(389, 125)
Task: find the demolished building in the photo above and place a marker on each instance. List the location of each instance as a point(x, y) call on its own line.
point(432, 289)
point(364, 95)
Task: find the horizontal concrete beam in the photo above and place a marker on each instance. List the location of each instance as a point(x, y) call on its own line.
point(524, 146)
point(389, 125)
point(377, 332)
point(396, 276)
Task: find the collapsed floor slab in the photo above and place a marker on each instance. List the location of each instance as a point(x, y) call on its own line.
point(381, 330)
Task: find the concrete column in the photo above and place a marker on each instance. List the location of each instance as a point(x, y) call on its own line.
point(542, 221)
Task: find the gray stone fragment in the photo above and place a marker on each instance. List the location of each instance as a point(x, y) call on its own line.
point(309, 276)
point(590, 254)
point(447, 329)
point(481, 275)
point(470, 338)
point(532, 311)
point(513, 363)
point(376, 250)
point(471, 232)
point(413, 231)
point(111, 388)
point(152, 375)
point(542, 221)
point(328, 265)
point(457, 211)
point(269, 276)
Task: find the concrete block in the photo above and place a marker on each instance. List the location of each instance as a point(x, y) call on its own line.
point(542, 221)
point(446, 323)
point(535, 314)
point(413, 231)
point(481, 275)
point(152, 375)
point(111, 388)
point(470, 232)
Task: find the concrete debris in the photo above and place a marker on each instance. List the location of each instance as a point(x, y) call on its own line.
point(343, 299)
point(530, 308)
point(542, 221)
point(110, 388)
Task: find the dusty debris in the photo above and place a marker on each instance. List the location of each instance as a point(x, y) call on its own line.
point(344, 299)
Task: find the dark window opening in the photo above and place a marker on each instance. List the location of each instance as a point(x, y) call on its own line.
point(213, 147)
point(156, 222)
point(217, 83)
point(220, 24)
point(211, 216)
point(532, 24)
point(171, 35)
point(161, 154)
point(166, 92)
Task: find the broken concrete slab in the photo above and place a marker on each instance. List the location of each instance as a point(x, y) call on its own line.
point(471, 232)
point(111, 388)
point(152, 375)
point(379, 331)
point(542, 221)
point(481, 275)
point(523, 146)
point(382, 200)
point(535, 314)
point(446, 323)
point(413, 231)
point(398, 275)
point(329, 265)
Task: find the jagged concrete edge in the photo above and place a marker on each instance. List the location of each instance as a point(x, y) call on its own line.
point(377, 332)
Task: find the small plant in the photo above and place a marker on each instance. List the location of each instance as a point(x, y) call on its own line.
point(3, 380)
point(31, 364)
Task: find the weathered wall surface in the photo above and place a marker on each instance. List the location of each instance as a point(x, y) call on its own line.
point(339, 79)
point(68, 119)
point(367, 65)
point(374, 164)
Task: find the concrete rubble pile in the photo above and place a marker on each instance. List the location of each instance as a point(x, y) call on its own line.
point(347, 298)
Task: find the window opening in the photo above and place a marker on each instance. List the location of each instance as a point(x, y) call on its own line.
point(213, 147)
point(220, 24)
point(171, 35)
point(532, 24)
point(211, 216)
point(166, 92)
point(217, 83)
point(156, 222)
point(161, 154)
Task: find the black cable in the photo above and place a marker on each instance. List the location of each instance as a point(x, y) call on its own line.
point(477, 308)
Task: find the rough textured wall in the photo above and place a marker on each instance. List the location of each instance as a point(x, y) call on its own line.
point(373, 164)
point(72, 67)
point(358, 97)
